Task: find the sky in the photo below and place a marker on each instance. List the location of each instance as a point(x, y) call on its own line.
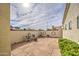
point(36, 15)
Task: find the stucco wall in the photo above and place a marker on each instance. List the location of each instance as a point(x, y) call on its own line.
point(72, 15)
point(17, 36)
point(4, 30)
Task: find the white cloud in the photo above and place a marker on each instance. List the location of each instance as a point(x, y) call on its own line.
point(39, 14)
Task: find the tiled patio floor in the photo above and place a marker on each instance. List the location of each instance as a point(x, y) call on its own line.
point(43, 47)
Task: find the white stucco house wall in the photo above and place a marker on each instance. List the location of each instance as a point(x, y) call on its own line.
point(71, 22)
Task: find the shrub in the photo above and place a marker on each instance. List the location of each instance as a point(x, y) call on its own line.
point(68, 47)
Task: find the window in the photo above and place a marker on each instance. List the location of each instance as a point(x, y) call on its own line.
point(65, 27)
point(78, 22)
point(70, 27)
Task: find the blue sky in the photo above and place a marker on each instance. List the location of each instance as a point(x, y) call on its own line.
point(38, 15)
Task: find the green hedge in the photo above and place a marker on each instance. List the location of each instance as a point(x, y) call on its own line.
point(68, 47)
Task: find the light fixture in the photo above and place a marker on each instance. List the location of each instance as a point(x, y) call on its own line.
point(27, 5)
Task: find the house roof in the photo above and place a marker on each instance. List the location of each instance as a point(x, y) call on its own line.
point(65, 12)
